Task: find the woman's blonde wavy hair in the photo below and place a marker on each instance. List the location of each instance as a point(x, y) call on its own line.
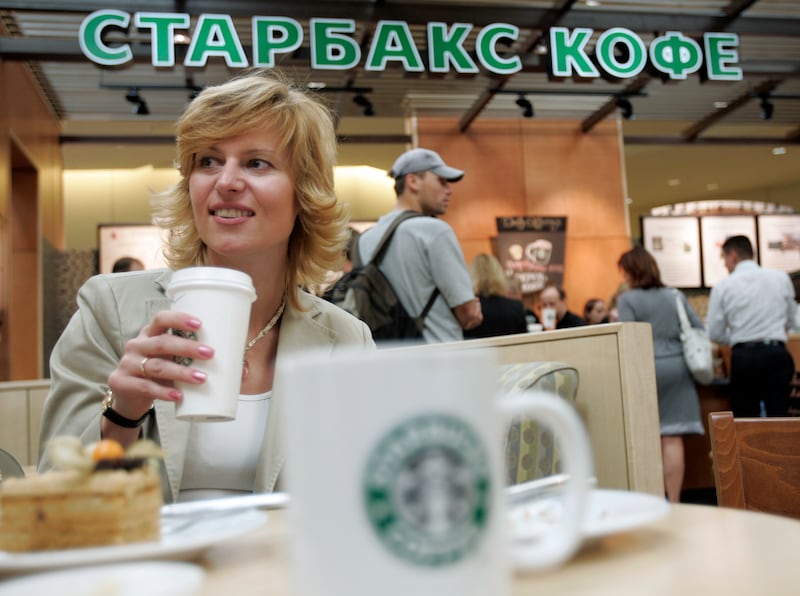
point(261, 99)
point(488, 277)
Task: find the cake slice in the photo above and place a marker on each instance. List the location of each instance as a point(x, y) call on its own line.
point(114, 502)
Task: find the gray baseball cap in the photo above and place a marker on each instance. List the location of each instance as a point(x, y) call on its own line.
point(422, 160)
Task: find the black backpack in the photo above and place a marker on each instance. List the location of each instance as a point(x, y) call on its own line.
point(365, 293)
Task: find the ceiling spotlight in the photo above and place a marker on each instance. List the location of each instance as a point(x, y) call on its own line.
point(525, 105)
point(361, 100)
point(626, 108)
point(767, 107)
point(140, 108)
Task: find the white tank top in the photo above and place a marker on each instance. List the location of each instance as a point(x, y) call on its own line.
point(224, 455)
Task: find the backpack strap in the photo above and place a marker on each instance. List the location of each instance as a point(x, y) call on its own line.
point(420, 320)
point(383, 243)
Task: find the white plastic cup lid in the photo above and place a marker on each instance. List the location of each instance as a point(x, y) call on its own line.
point(210, 277)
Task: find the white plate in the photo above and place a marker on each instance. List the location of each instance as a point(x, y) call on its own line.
point(127, 579)
point(608, 512)
point(183, 542)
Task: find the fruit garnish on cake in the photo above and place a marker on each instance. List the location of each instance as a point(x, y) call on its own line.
point(99, 494)
point(68, 453)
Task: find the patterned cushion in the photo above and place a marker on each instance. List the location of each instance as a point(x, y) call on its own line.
point(529, 451)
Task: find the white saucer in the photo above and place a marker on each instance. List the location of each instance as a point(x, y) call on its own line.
point(128, 579)
point(608, 512)
point(181, 542)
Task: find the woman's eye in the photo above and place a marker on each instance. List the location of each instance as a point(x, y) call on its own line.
point(258, 164)
point(206, 162)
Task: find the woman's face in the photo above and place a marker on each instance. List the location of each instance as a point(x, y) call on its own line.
point(243, 197)
point(598, 313)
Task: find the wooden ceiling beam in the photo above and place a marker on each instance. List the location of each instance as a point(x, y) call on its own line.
point(694, 131)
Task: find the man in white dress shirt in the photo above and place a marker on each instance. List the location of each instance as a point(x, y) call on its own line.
point(752, 310)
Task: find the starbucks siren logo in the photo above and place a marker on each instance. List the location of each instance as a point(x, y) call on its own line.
point(427, 490)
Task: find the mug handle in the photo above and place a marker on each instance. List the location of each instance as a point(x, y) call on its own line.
point(559, 544)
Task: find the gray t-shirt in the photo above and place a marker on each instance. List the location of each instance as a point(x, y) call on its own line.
point(423, 254)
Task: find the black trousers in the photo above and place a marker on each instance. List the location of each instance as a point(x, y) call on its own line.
point(760, 372)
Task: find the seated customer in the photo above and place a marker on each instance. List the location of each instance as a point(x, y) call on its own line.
point(595, 312)
point(555, 297)
point(501, 315)
point(255, 194)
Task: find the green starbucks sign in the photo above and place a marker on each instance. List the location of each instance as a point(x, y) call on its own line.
point(619, 53)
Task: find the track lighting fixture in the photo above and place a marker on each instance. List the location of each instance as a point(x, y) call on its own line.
point(526, 105)
point(625, 107)
point(361, 100)
point(133, 96)
point(140, 105)
point(767, 107)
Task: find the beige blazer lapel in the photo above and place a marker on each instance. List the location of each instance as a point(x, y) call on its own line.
point(300, 331)
point(173, 433)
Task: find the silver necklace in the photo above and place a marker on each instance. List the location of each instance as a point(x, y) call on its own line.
point(267, 328)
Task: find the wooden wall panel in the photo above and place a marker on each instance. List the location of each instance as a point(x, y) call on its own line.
point(491, 156)
point(548, 168)
point(31, 174)
point(36, 130)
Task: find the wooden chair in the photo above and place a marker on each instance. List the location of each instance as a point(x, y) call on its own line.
point(756, 462)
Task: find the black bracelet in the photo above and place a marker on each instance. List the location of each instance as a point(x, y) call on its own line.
point(118, 418)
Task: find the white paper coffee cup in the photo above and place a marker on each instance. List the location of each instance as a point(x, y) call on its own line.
point(221, 298)
point(549, 318)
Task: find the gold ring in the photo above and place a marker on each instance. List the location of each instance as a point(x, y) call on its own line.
point(142, 364)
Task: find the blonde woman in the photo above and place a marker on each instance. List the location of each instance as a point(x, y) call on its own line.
point(501, 315)
point(255, 157)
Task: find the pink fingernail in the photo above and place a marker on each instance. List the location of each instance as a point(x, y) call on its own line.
point(175, 394)
point(199, 375)
point(193, 323)
point(206, 351)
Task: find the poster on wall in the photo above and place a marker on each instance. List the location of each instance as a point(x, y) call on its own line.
point(779, 241)
point(142, 242)
point(674, 243)
point(714, 230)
point(531, 250)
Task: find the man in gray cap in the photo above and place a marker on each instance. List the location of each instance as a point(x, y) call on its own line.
point(424, 253)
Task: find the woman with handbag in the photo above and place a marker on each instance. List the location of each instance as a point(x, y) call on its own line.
point(649, 301)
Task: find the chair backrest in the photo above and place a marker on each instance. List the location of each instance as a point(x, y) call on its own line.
point(756, 462)
point(9, 466)
point(531, 452)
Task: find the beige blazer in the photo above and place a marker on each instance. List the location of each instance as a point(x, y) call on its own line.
point(112, 309)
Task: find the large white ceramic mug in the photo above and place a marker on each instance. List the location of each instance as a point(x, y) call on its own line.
point(394, 468)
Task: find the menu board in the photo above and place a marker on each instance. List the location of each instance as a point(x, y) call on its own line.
point(143, 242)
point(779, 241)
point(674, 243)
point(714, 230)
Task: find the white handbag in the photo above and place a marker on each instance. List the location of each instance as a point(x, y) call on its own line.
point(696, 347)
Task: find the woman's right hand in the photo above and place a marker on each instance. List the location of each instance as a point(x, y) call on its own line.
point(151, 363)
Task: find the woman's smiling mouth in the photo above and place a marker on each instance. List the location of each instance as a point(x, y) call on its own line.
point(229, 213)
